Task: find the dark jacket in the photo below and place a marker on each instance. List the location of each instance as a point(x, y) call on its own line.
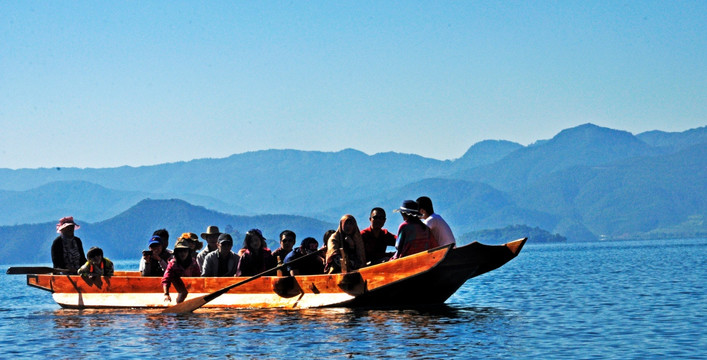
point(58, 253)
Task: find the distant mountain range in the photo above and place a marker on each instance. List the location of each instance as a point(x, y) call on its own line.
point(586, 183)
point(125, 235)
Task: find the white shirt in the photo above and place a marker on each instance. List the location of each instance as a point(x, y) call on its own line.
point(440, 229)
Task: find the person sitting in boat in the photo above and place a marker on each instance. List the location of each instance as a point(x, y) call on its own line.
point(413, 235)
point(345, 243)
point(96, 265)
point(153, 262)
point(192, 240)
point(67, 249)
point(211, 236)
point(440, 228)
point(313, 265)
point(222, 262)
point(183, 264)
point(164, 237)
point(287, 242)
point(376, 239)
point(255, 257)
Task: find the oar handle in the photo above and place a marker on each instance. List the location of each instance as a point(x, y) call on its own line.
point(24, 270)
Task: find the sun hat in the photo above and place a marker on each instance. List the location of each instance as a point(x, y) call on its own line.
point(409, 207)
point(193, 238)
point(181, 244)
point(211, 230)
point(225, 238)
point(66, 222)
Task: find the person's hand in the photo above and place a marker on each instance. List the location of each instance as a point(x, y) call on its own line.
point(349, 240)
point(155, 256)
point(167, 298)
point(147, 258)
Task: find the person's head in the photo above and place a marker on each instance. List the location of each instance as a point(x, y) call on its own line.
point(408, 209)
point(348, 225)
point(95, 255)
point(326, 237)
point(192, 240)
point(181, 251)
point(309, 244)
point(225, 243)
point(155, 245)
point(164, 236)
point(211, 235)
point(287, 240)
point(425, 205)
point(66, 226)
point(377, 218)
point(254, 240)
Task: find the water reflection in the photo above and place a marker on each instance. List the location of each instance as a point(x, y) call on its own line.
point(336, 332)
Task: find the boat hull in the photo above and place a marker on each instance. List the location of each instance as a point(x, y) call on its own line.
point(425, 278)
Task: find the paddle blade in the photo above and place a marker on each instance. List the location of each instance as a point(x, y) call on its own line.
point(186, 306)
point(24, 270)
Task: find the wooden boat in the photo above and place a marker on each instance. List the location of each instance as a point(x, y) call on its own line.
point(425, 278)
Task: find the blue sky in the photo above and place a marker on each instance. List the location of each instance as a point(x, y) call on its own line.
point(102, 84)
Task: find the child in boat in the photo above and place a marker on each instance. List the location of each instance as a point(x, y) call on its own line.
point(96, 265)
point(183, 264)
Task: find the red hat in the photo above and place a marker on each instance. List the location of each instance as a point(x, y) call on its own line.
point(66, 221)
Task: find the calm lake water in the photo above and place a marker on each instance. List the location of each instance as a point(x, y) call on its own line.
point(609, 300)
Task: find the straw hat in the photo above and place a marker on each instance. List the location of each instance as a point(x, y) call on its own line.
point(211, 230)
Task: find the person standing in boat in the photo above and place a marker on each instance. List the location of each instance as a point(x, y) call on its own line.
point(376, 239)
point(413, 235)
point(97, 265)
point(67, 249)
point(440, 228)
point(288, 238)
point(212, 238)
point(345, 241)
point(153, 262)
point(314, 265)
point(222, 262)
point(255, 257)
point(183, 264)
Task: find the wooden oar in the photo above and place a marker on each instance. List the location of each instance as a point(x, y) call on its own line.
point(195, 303)
point(23, 270)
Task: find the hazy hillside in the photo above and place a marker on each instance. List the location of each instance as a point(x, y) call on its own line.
point(583, 145)
point(628, 196)
point(466, 206)
point(484, 153)
point(124, 236)
point(675, 141)
point(83, 200)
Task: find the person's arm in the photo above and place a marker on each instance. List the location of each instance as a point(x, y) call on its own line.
point(58, 254)
point(207, 269)
point(80, 246)
point(165, 288)
point(108, 268)
point(400, 243)
point(83, 270)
